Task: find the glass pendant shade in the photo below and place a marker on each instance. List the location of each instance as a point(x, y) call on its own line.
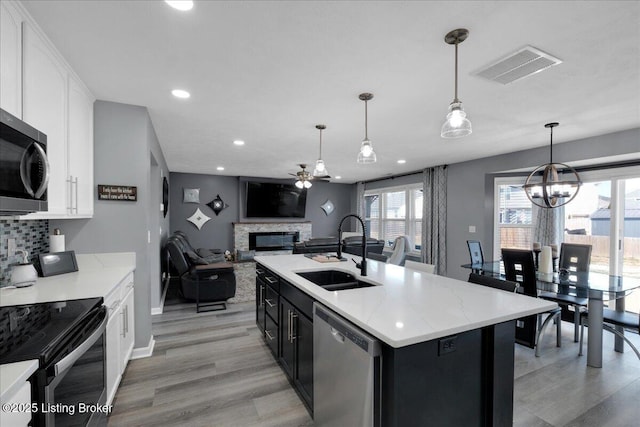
point(553, 184)
point(456, 125)
point(320, 169)
point(307, 184)
point(299, 184)
point(366, 154)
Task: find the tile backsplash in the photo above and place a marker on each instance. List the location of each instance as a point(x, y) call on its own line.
point(31, 235)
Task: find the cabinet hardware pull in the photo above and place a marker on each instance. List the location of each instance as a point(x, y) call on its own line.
point(261, 304)
point(293, 334)
point(124, 322)
point(259, 271)
point(289, 325)
point(270, 279)
point(114, 305)
point(269, 303)
point(126, 319)
point(268, 335)
point(70, 197)
point(76, 184)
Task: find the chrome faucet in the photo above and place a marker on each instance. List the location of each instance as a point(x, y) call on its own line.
point(363, 264)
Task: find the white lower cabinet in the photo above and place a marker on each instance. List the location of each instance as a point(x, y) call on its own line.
point(119, 334)
point(21, 417)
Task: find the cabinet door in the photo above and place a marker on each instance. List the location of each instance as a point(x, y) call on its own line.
point(44, 107)
point(303, 334)
point(113, 352)
point(80, 150)
point(127, 331)
point(271, 334)
point(10, 59)
point(287, 348)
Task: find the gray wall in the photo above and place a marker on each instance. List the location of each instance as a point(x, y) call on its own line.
point(124, 144)
point(218, 232)
point(470, 187)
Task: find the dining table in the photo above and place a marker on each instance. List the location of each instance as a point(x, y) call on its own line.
point(596, 287)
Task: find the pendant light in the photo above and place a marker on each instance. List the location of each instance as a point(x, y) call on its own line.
point(320, 170)
point(553, 184)
point(366, 154)
point(456, 125)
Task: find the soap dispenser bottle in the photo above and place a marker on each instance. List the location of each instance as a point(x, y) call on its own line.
point(23, 274)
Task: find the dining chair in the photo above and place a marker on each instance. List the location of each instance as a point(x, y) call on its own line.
point(414, 265)
point(493, 282)
point(475, 251)
point(519, 267)
point(574, 258)
point(401, 246)
point(611, 319)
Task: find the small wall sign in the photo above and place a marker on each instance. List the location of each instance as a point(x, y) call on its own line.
point(124, 193)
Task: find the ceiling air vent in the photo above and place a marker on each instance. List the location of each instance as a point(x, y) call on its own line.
point(518, 65)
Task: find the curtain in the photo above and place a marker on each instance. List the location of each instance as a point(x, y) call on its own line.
point(434, 218)
point(359, 203)
point(546, 225)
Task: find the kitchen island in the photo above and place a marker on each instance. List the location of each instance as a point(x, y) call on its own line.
point(447, 345)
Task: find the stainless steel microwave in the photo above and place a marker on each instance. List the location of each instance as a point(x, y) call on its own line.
point(24, 168)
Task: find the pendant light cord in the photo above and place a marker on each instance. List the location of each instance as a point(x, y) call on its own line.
point(366, 134)
point(320, 155)
point(455, 99)
point(551, 147)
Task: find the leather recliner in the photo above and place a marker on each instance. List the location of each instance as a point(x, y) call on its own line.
point(201, 282)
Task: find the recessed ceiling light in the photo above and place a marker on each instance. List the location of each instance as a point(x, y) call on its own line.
point(183, 5)
point(402, 161)
point(179, 93)
point(220, 168)
point(338, 177)
point(238, 142)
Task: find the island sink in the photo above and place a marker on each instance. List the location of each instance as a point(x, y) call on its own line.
point(334, 280)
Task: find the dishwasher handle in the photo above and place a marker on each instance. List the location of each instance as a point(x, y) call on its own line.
point(337, 335)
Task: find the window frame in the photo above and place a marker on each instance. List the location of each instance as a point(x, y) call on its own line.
point(497, 226)
point(410, 216)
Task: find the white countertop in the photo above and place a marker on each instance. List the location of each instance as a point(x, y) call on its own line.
point(14, 375)
point(407, 306)
point(97, 274)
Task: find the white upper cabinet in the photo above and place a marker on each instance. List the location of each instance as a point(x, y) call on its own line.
point(44, 106)
point(80, 150)
point(44, 91)
point(11, 64)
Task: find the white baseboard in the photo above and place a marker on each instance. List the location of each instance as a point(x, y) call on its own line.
point(160, 310)
point(156, 310)
point(140, 353)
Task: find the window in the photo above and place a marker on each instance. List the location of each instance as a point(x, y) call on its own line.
point(513, 221)
point(393, 212)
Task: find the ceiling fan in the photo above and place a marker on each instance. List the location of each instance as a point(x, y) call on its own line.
point(304, 178)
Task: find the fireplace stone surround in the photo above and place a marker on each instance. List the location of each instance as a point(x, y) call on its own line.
point(246, 271)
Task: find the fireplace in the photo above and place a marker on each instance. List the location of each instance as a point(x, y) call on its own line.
point(273, 240)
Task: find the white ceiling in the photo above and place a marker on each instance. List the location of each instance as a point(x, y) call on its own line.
point(268, 72)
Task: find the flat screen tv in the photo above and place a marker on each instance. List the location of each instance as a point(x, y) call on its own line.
point(273, 200)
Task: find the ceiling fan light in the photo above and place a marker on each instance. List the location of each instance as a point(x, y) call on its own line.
point(456, 124)
point(299, 184)
point(306, 184)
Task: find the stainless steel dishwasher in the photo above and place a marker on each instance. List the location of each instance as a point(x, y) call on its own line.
point(346, 372)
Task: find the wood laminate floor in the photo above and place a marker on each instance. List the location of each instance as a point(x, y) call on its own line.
point(213, 369)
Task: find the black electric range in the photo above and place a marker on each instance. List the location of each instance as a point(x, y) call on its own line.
point(67, 338)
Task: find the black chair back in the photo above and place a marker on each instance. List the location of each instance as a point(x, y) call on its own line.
point(176, 253)
point(519, 267)
point(493, 282)
point(575, 257)
point(475, 251)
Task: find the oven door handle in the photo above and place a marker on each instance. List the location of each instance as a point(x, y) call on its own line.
point(76, 354)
